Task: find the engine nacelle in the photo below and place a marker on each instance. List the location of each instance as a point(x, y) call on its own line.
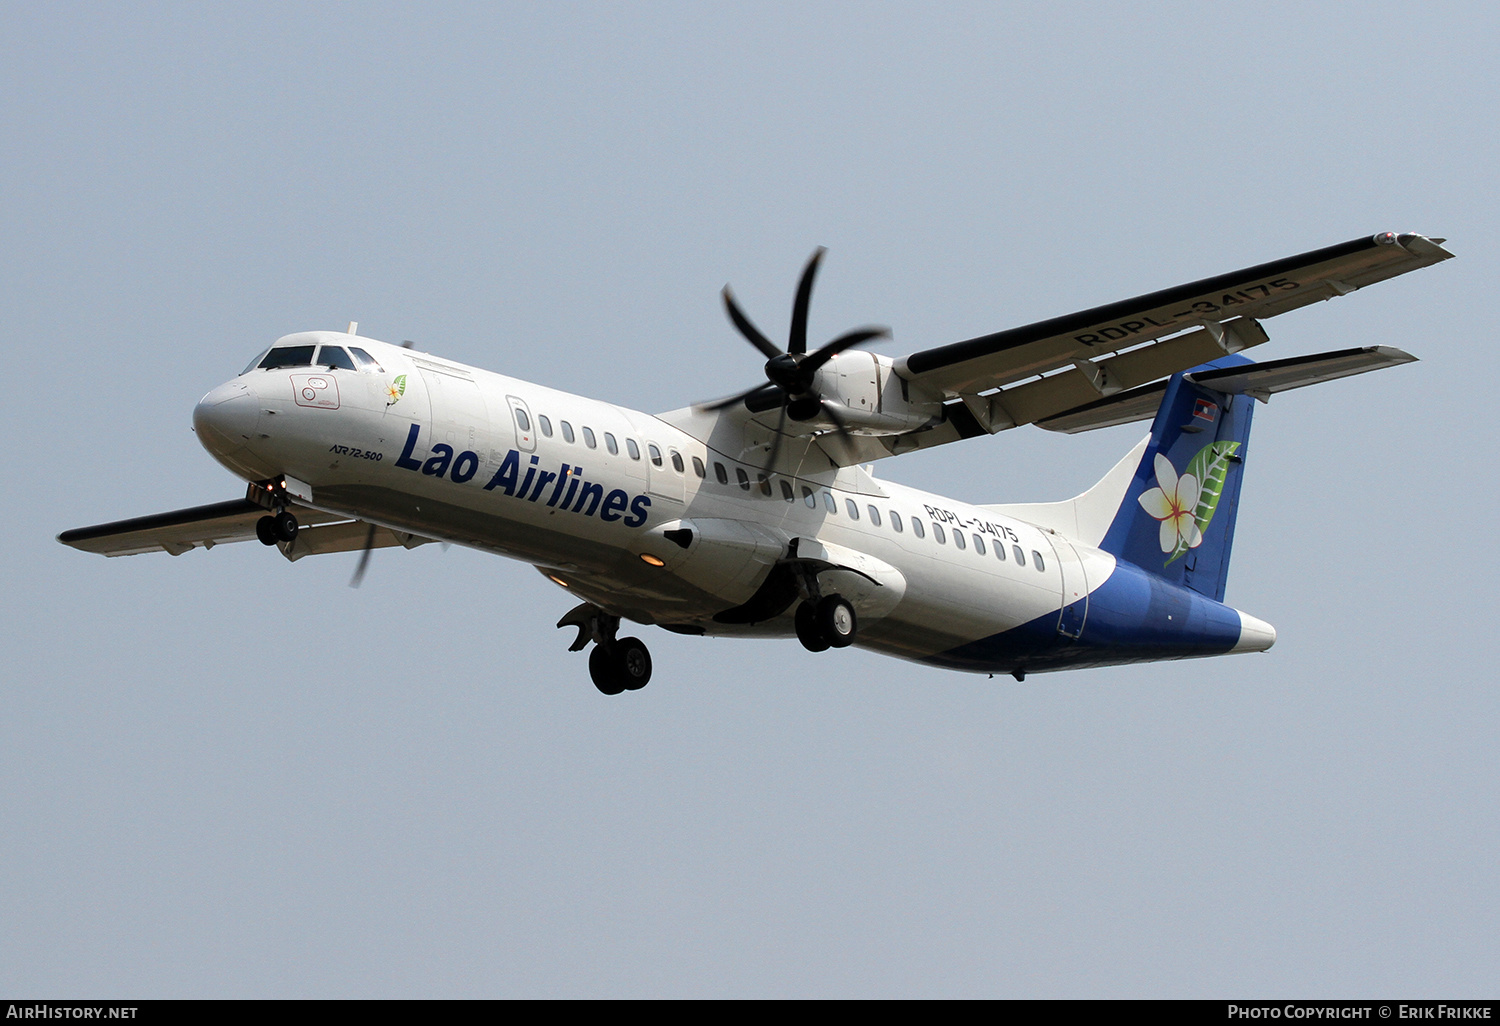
point(871, 398)
point(727, 558)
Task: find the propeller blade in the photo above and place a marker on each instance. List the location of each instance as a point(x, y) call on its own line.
point(839, 425)
point(838, 345)
point(776, 443)
point(364, 559)
point(739, 397)
point(747, 329)
point(797, 341)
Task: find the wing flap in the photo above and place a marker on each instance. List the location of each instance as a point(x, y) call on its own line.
point(347, 536)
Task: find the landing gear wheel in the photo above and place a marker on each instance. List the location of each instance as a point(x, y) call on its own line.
point(807, 629)
point(265, 530)
point(836, 621)
point(286, 526)
point(606, 671)
point(633, 662)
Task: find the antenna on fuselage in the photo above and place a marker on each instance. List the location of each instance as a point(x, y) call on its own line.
point(353, 328)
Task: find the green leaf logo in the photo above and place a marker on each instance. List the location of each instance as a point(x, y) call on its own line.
point(1210, 467)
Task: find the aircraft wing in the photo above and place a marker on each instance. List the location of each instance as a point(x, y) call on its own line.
point(1041, 370)
point(221, 522)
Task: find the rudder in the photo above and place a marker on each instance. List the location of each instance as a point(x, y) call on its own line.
point(1177, 517)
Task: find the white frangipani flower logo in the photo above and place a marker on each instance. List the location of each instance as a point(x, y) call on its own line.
point(1173, 502)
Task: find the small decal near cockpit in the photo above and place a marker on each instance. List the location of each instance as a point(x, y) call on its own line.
point(319, 391)
point(395, 390)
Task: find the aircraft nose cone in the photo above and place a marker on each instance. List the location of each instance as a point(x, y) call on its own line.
point(225, 418)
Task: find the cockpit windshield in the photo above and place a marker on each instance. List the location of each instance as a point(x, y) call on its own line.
point(287, 356)
point(332, 357)
point(255, 362)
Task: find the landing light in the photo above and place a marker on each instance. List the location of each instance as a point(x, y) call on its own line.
point(557, 580)
point(646, 557)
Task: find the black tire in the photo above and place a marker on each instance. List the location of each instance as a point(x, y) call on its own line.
point(836, 621)
point(605, 670)
point(808, 631)
point(286, 526)
point(633, 662)
point(265, 530)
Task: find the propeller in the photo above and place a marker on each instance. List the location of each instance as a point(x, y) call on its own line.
point(364, 554)
point(364, 559)
point(791, 375)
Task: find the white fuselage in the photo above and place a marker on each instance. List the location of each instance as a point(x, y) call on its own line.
point(585, 489)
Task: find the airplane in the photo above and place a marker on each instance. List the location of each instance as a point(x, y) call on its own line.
point(760, 515)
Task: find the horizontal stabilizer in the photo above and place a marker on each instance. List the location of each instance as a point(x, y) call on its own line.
point(1260, 380)
point(1263, 380)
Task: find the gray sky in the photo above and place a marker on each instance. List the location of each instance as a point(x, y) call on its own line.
point(228, 775)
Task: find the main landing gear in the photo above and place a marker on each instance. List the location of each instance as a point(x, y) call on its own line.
point(622, 666)
point(276, 527)
point(827, 622)
point(615, 664)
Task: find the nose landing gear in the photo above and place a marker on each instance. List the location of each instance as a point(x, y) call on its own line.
point(277, 527)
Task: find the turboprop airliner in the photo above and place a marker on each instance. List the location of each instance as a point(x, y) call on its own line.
point(760, 515)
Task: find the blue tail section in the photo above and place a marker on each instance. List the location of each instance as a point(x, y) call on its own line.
point(1177, 518)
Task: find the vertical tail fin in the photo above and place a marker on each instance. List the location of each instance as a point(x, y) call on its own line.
point(1174, 516)
point(1177, 517)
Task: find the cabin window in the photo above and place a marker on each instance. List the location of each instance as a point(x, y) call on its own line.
point(655, 454)
point(721, 473)
point(698, 467)
point(958, 540)
point(523, 420)
point(786, 491)
point(979, 544)
point(938, 535)
point(676, 460)
point(853, 508)
point(567, 430)
point(809, 498)
point(545, 423)
point(765, 483)
point(743, 478)
point(633, 449)
point(588, 438)
point(896, 522)
point(1036, 560)
point(610, 444)
point(874, 516)
point(1000, 551)
point(830, 502)
point(1020, 556)
point(916, 528)
point(288, 356)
